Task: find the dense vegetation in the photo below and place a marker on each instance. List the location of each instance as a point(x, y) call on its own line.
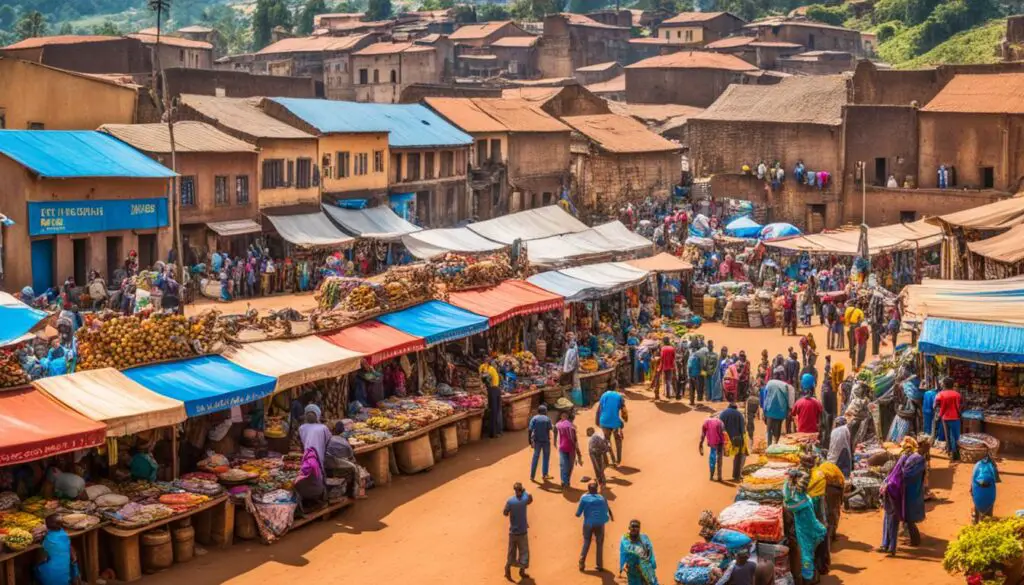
point(910, 32)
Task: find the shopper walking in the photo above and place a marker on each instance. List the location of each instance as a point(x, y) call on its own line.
point(668, 368)
point(539, 435)
point(611, 416)
point(593, 507)
point(949, 404)
point(518, 541)
point(598, 447)
point(568, 448)
point(714, 432)
point(732, 420)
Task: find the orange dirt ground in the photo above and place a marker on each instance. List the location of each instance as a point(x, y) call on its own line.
point(446, 526)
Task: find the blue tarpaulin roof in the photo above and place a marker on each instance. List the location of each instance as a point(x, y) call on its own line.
point(78, 153)
point(205, 384)
point(407, 125)
point(16, 319)
point(436, 322)
point(743, 227)
point(984, 342)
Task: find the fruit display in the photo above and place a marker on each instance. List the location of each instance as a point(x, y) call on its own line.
point(17, 539)
point(118, 341)
point(23, 520)
point(364, 298)
point(11, 372)
point(462, 271)
point(39, 506)
point(417, 281)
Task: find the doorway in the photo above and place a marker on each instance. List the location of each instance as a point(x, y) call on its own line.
point(881, 174)
point(423, 208)
point(42, 265)
point(114, 255)
point(147, 251)
point(81, 258)
point(815, 218)
point(988, 177)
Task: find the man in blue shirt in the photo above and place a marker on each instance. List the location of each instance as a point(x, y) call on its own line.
point(539, 436)
point(596, 513)
point(611, 415)
point(776, 404)
point(518, 543)
point(695, 372)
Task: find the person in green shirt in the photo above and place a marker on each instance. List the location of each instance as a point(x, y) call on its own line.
point(143, 465)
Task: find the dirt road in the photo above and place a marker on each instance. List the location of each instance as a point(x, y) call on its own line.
point(445, 525)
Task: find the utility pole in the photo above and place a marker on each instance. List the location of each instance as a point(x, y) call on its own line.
point(863, 192)
point(167, 111)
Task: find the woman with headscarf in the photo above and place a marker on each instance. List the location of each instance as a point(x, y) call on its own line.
point(903, 497)
point(838, 375)
point(840, 447)
point(309, 485)
point(636, 557)
point(809, 531)
point(731, 379)
point(858, 415)
point(714, 392)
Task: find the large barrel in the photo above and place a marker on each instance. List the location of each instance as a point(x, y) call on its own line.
point(184, 544)
point(156, 551)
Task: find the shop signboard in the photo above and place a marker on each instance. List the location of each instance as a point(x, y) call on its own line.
point(47, 218)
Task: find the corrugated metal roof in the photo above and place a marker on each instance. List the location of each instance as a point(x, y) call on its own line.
point(795, 100)
point(408, 125)
point(730, 43)
point(472, 32)
point(520, 115)
point(619, 134)
point(36, 42)
point(78, 154)
point(516, 42)
point(171, 41)
point(614, 85)
point(188, 137)
point(478, 57)
point(243, 115)
point(234, 227)
point(600, 66)
point(696, 18)
point(531, 94)
point(694, 60)
point(1001, 93)
point(312, 45)
point(391, 49)
point(465, 114)
point(582, 20)
point(653, 113)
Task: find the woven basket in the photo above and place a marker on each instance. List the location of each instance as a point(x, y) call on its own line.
point(972, 453)
point(553, 393)
point(709, 307)
point(517, 415)
point(414, 455)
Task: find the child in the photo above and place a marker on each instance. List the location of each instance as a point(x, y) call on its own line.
point(598, 447)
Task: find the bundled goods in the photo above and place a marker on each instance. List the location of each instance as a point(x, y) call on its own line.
point(183, 501)
point(468, 401)
point(364, 298)
point(215, 464)
point(69, 506)
point(759, 521)
point(463, 271)
point(732, 540)
point(16, 539)
point(800, 439)
point(9, 501)
point(39, 506)
point(703, 564)
point(125, 341)
point(686, 575)
point(139, 489)
point(417, 282)
point(78, 521)
point(24, 520)
point(1008, 383)
point(335, 289)
point(198, 485)
point(134, 515)
point(11, 372)
point(780, 452)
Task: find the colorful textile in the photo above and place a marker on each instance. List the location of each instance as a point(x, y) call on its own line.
point(809, 531)
point(637, 559)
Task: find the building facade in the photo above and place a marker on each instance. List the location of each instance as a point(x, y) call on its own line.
point(689, 78)
point(380, 72)
point(698, 28)
point(571, 41)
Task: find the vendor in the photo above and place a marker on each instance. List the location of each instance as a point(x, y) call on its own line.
point(143, 465)
point(340, 460)
point(66, 485)
point(313, 433)
point(57, 564)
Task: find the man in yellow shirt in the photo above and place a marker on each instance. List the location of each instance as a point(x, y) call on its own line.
point(853, 317)
point(492, 383)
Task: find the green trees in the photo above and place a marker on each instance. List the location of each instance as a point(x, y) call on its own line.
point(310, 9)
point(268, 14)
point(378, 9)
point(31, 24)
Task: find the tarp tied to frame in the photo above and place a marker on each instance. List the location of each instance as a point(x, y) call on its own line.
point(572, 289)
point(34, 426)
point(296, 361)
point(17, 320)
point(377, 341)
point(205, 384)
point(984, 342)
point(506, 300)
point(235, 227)
point(992, 301)
point(994, 216)
point(1007, 247)
point(436, 322)
point(881, 240)
point(663, 262)
point(310, 230)
point(379, 223)
point(610, 238)
point(583, 283)
point(531, 224)
point(429, 244)
point(108, 396)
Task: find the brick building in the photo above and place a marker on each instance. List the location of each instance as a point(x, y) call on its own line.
point(616, 160)
point(572, 41)
point(798, 120)
point(178, 51)
point(762, 54)
point(599, 72)
point(699, 28)
point(566, 100)
point(516, 56)
point(306, 56)
point(379, 72)
point(813, 35)
point(693, 78)
point(85, 53)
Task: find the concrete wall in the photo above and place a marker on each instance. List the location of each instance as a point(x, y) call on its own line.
point(538, 154)
point(408, 68)
point(59, 100)
point(691, 87)
point(184, 57)
point(887, 206)
point(330, 145)
point(813, 37)
point(589, 77)
point(525, 59)
point(604, 182)
point(791, 203)
point(484, 140)
point(338, 81)
point(447, 198)
point(236, 84)
point(20, 186)
point(893, 87)
point(888, 132)
point(287, 150)
point(970, 142)
point(204, 167)
point(575, 100)
point(689, 34)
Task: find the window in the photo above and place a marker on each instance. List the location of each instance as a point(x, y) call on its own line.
point(546, 199)
point(303, 173)
point(908, 216)
point(376, 75)
point(668, 34)
point(36, 126)
point(689, 36)
point(394, 76)
point(363, 79)
point(343, 162)
point(361, 166)
point(291, 173)
point(220, 190)
point(412, 163)
point(495, 150)
point(679, 34)
point(481, 152)
point(242, 189)
point(447, 163)
point(988, 177)
point(428, 165)
point(188, 191)
point(396, 167)
point(378, 161)
point(273, 174)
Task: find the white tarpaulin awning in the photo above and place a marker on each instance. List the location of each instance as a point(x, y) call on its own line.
point(235, 227)
point(310, 230)
point(379, 223)
point(881, 240)
point(427, 244)
point(573, 289)
point(609, 238)
point(532, 224)
point(296, 361)
point(586, 282)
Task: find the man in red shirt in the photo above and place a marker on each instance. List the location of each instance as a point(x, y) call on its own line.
point(949, 404)
point(714, 431)
point(668, 367)
point(807, 412)
point(861, 334)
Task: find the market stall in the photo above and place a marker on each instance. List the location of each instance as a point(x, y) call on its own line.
point(429, 244)
point(376, 341)
point(205, 384)
point(436, 322)
point(294, 362)
point(997, 257)
point(532, 224)
point(509, 299)
point(17, 320)
point(380, 233)
point(609, 240)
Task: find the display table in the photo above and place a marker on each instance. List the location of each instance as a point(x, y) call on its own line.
point(214, 526)
point(1010, 433)
point(516, 397)
point(321, 514)
point(88, 558)
point(594, 384)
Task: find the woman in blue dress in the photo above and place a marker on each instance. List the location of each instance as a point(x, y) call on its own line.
point(636, 557)
point(715, 386)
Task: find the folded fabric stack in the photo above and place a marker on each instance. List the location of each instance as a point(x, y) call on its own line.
point(784, 453)
point(759, 521)
point(761, 496)
point(799, 439)
point(703, 565)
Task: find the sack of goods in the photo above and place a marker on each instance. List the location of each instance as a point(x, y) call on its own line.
point(759, 521)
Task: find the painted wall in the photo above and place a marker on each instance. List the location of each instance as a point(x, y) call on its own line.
point(204, 168)
point(329, 145)
point(971, 142)
point(287, 150)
